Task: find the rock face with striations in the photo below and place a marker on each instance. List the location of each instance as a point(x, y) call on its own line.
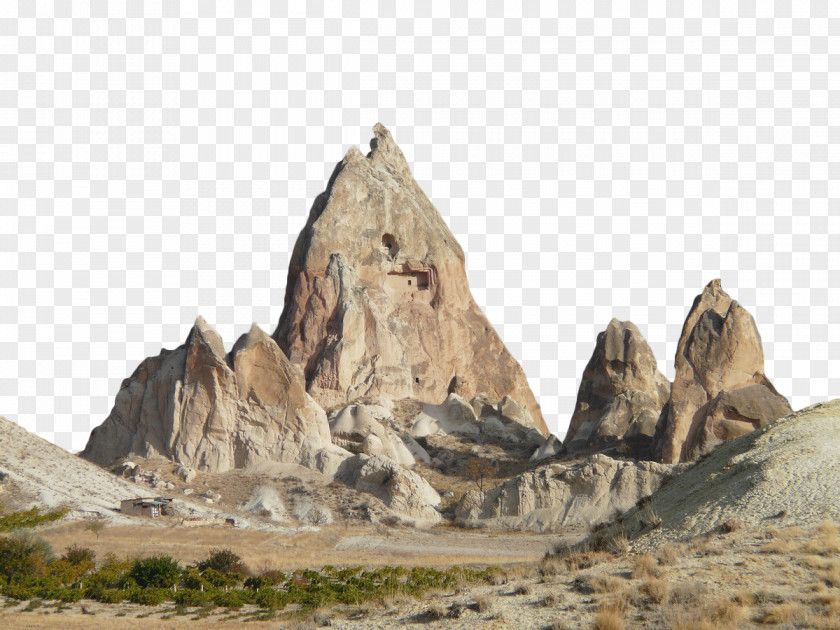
point(557, 496)
point(720, 391)
point(377, 300)
point(202, 408)
point(621, 395)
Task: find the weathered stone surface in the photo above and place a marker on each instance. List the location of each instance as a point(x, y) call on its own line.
point(552, 447)
point(621, 395)
point(354, 427)
point(377, 300)
point(402, 490)
point(720, 390)
point(213, 412)
point(557, 495)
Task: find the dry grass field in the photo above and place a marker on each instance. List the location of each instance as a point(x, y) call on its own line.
point(336, 545)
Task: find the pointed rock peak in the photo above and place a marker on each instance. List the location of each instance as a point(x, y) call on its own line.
point(204, 332)
point(620, 339)
point(384, 151)
point(714, 286)
point(251, 338)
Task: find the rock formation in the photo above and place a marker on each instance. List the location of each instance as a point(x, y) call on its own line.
point(621, 395)
point(377, 300)
point(203, 409)
point(720, 390)
point(354, 428)
point(401, 490)
point(579, 494)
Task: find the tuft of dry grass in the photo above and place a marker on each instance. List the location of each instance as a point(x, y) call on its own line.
point(786, 533)
point(688, 594)
point(609, 618)
point(606, 584)
point(827, 528)
point(645, 566)
point(670, 553)
point(831, 576)
point(786, 613)
point(744, 597)
point(780, 545)
point(726, 613)
point(584, 560)
point(680, 619)
point(731, 525)
point(522, 589)
point(824, 545)
point(436, 612)
point(486, 603)
point(656, 590)
point(549, 601)
point(721, 614)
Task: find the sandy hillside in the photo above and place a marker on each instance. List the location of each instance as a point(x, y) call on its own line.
point(45, 475)
point(787, 473)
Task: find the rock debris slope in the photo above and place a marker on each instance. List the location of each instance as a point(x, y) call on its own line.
point(377, 299)
point(215, 412)
point(621, 395)
point(720, 391)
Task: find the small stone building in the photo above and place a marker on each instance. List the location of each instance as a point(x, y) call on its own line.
point(152, 508)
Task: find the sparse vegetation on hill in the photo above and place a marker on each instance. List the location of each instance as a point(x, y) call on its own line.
point(29, 518)
point(29, 571)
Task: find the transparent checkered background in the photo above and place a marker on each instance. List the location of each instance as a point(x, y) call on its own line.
point(157, 160)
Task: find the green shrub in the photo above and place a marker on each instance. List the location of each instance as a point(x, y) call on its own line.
point(106, 595)
point(224, 561)
point(155, 572)
point(212, 577)
point(29, 518)
point(269, 598)
point(19, 592)
point(79, 555)
point(229, 599)
point(113, 573)
point(24, 557)
point(191, 597)
point(149, 596)
point(191, 578)
point(256, 582)
point(65, 594)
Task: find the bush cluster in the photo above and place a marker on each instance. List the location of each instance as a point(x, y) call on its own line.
point(30, 570)
point(29, 518)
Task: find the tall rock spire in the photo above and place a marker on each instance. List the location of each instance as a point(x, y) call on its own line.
point(377, 297)
point(719, 390)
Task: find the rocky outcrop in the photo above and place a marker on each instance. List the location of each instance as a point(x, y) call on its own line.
point(555, 496)
point(377, 299)
point(214, 412)
point(720, 390)
point(403, 491)
point(621, 395)
point(354, 428)
point(551, 448)
point(504, 420)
